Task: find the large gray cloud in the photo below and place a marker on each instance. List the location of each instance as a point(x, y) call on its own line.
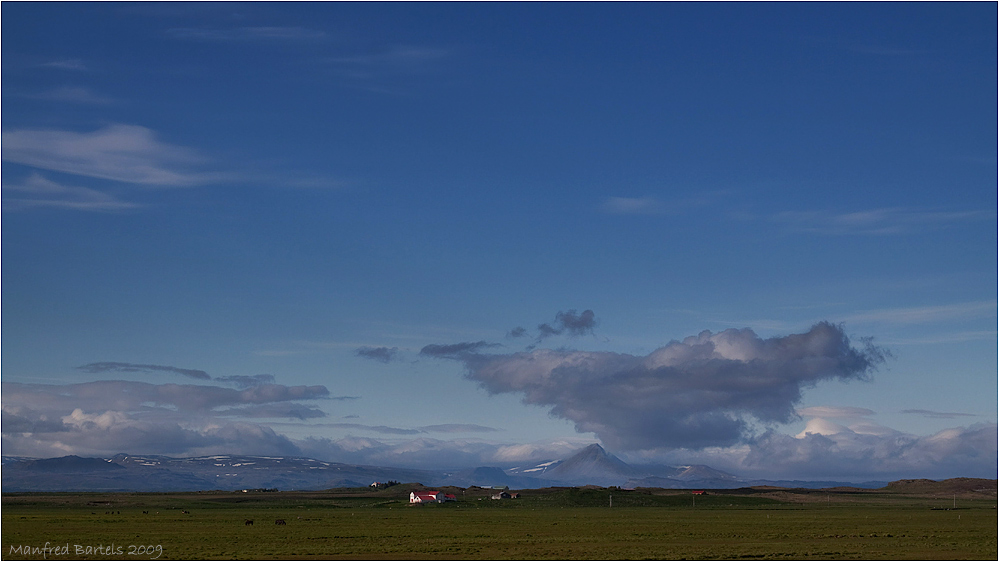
point(700, 392)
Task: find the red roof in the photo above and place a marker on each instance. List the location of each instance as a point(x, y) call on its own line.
point(450, 496)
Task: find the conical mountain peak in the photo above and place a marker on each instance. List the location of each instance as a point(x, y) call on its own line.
point(592, 464)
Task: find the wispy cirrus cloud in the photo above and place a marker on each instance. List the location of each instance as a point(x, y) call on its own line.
point(876, 222)
point(112, 366)
point(246, 381)
point(37, 191)
point(457, 428)
point(389, 430)
point(633, 206)
point(387, 69)
point(123, 153)
point(926, 314)
point(938, 415)
point(75, 65)
point(392, 57)
point(455, 349)
point(381, 429)
point(658, 206)
point(73, 94)
point(247, 34)
point(134, 396)
point(834, 412)
point(278, 410)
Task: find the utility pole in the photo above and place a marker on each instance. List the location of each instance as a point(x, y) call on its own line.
point(610, 499)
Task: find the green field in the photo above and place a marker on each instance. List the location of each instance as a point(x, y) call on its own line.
point(563, 524)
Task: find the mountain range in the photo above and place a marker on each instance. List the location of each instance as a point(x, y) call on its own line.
point(148, 473)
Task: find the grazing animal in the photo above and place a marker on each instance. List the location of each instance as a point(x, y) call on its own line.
point(279, 522)
point(248, 522)
point(185, 511)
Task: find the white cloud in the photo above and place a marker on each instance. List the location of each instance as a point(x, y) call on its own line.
point(538, 451)
point(37, 191)
point(869, 451)
point(108, 417)
point(834, 412)
point(821, 426)
point(396, 56)
point(247, 34)
point(890, 221)
point(926, 314)
point(74, 94)
point(125, 153)
point(67, 64)
point(633, 206)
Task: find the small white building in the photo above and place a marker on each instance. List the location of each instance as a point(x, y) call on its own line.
point(430, 496)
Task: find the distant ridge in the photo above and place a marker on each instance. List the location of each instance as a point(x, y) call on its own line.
point(153, 473)
point(591, 465)
point(489, 476)
point(71, 463)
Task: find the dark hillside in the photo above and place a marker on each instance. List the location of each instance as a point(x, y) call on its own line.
point(963, 487)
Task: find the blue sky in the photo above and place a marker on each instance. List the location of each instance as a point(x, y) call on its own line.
point(238, 227)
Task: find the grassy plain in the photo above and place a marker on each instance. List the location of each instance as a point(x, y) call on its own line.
point(564, 524)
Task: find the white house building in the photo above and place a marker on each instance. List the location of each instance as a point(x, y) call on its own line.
point(431, 496)
point(426, 497)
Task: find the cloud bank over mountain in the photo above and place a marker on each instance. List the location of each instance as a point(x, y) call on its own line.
point(699, 400)
point(855, 453)
point(104, 417)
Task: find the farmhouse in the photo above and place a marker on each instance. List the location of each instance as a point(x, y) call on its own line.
point(430, 496)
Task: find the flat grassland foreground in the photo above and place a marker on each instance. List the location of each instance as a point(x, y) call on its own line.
point(564, 524)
